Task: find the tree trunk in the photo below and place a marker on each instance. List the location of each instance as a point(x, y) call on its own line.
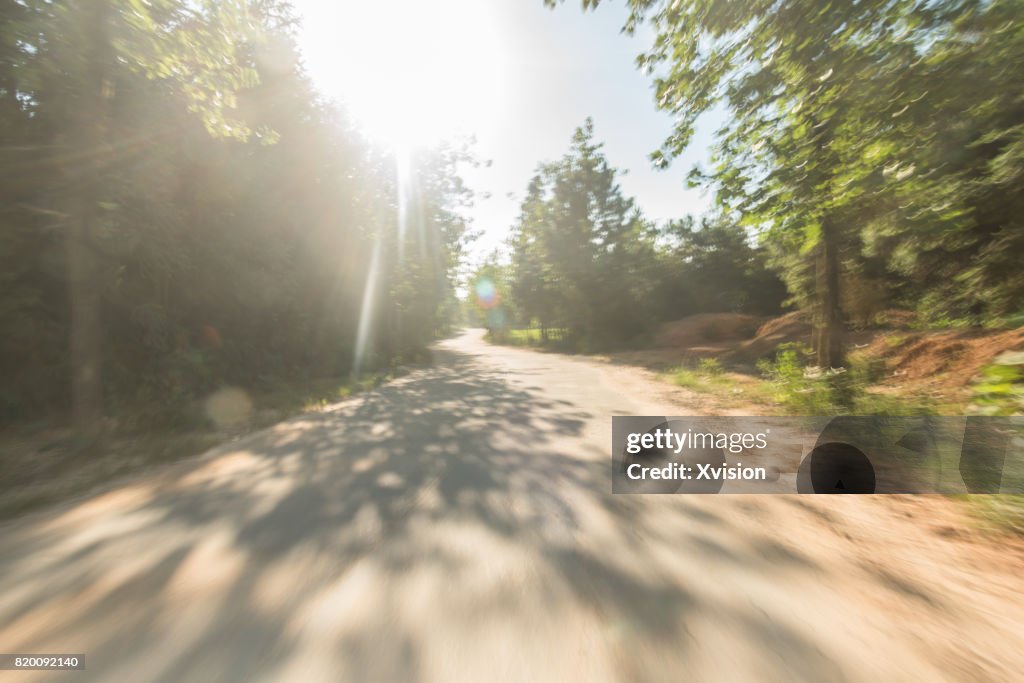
point(829, 345)
point(88, 135)
point(829, 328)
point(86, 387)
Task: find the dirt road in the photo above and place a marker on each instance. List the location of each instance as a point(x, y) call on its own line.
point(457, 525)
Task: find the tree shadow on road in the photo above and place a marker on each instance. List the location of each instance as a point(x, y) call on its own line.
point(326, 528)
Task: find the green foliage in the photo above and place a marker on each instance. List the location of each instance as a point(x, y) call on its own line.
point(866, 371)
point(584, 258)
point(700, 378)
point(710, 367)
point(712, 267)
point(807, 390)
point(709, 377)
point(242, 258)
point(1000, 389)
point(488, 303)
point(581, 250)
point(802, 389)
point(877, 147)
point(956, 230)
point(689, 379)
point(288, 398)
point(553, 338)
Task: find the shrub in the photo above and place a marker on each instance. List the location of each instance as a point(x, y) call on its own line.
point(804, 389)
point(1000, 389)
point(710, 367)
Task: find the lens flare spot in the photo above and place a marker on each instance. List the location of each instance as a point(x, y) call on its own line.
point(486, 292)
point(229, 407)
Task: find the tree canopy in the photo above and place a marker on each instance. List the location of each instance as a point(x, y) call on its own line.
point(583, 258)
point(859, 138)
point(181, 205)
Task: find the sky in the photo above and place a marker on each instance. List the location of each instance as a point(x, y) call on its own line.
point(516, 75)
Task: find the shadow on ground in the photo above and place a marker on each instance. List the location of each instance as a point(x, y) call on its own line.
point(305, 533)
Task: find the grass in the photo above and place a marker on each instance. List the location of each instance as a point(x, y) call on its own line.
point(788, 386)
point(531, 336)
point(894, 340)
point(799, 391)
point(708, 377)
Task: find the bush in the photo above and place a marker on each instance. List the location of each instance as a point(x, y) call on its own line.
point(808, 390)
point(710, 366)
point(865, 371)
point(1000, 389)
point(804, 389)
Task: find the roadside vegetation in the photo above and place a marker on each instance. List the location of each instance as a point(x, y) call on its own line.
point(234, 231)
point(184, 216)
point(789, 385)
point(868, 183)
point(186, 219)
point(556, 338)
point(709, 377)
point(867, 235)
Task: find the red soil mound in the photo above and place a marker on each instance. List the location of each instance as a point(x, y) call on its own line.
point(951, 358)
point(792, 327)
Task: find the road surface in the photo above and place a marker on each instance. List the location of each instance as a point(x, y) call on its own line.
point(457, 525)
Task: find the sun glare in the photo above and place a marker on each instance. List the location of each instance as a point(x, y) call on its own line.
point(411, 73)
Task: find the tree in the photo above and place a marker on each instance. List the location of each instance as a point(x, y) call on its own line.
point(808, 90)
point(243, 257)
point(87, 47)
point(859, 137)
point(580, 249)
point(533, 284)
point(712, 267)
point(954, 168)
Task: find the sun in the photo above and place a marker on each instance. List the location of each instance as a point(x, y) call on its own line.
point(410, 73)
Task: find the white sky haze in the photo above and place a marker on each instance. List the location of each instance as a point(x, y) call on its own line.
point(518, 76)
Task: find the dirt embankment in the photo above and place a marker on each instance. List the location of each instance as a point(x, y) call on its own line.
point(938, 362)
point(773, 333)
point(713, 331)
point(950, 358)
point(734, 338)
